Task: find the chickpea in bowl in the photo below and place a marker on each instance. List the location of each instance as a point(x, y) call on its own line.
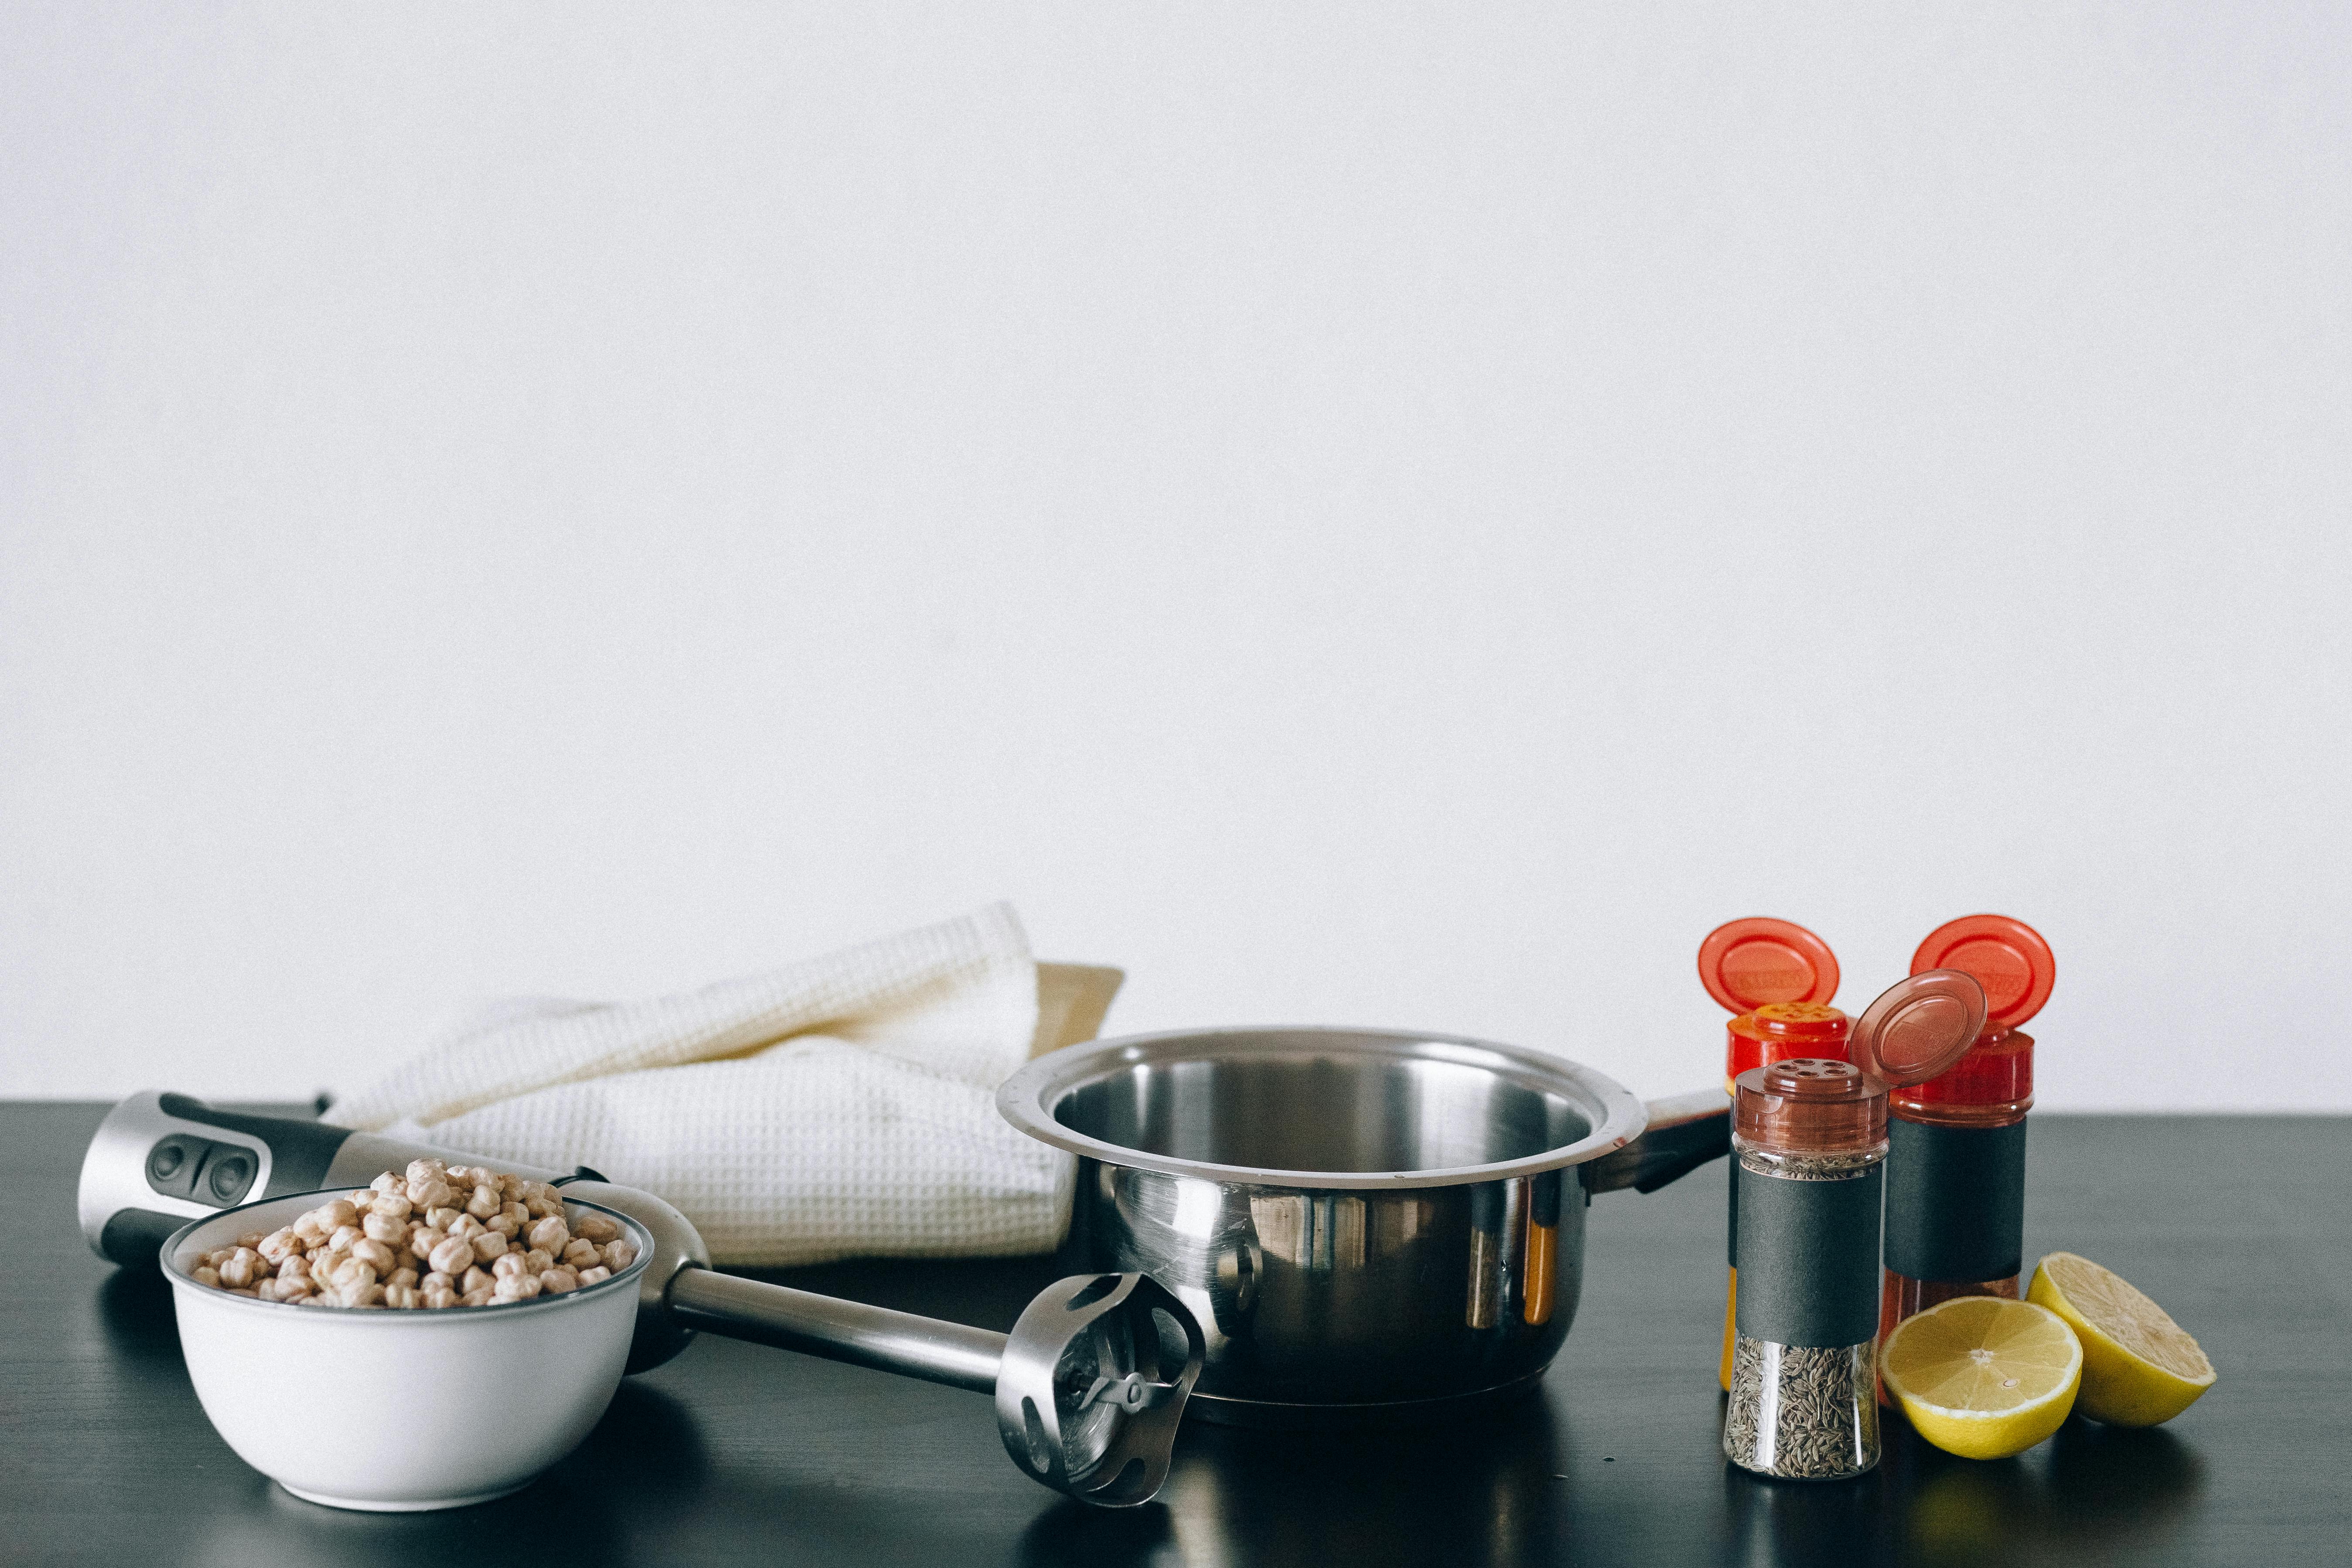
point(420, 1379)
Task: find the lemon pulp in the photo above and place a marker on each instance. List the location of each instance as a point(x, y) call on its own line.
point(2140, 1366)
point(1984, 1377)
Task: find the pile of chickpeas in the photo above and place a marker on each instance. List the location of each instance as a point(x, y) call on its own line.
point(438, 1236)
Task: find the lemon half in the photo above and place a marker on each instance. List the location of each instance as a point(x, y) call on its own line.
point(1983, 1377)
point(2140, 1366)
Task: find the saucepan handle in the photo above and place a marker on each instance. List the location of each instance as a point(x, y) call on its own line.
point(1685, 1131)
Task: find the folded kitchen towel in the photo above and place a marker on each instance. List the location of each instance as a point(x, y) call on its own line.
point(841, 1106)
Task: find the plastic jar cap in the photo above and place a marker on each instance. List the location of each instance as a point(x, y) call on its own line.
point(1751, 963)
point(2005, 956)
point(1807, 1022)
point(1918, 1027)
point(1810, 1106)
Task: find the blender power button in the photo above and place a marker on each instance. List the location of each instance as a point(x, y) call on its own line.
point(228, 1177)
point(171, 1165)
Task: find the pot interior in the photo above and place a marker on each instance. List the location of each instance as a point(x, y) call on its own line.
point(1308, 1110)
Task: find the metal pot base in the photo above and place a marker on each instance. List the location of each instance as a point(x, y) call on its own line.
point(1267, 1415)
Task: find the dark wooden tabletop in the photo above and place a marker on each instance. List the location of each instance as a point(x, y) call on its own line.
point(2240, 1225)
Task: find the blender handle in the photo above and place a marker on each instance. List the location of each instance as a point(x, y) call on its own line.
point(1685, 1130)
point(839, 1329)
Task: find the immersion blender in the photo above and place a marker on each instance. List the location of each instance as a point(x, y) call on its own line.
point(1089, 1386)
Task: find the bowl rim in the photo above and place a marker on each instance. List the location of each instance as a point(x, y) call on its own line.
point(181, 1282)
point(1025, 1099)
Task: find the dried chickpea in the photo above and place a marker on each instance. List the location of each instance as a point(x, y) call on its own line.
point(402, 1242)
point(452, 1255)
point(518, 1288)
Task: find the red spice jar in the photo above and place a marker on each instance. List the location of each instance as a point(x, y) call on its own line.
point(1956, 1170)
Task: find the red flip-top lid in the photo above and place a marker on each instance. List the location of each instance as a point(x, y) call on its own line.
point(1753, 962)
point(2005, 956)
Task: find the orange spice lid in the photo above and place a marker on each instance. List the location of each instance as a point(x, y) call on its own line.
point(2005, 956)
point(1753, 962)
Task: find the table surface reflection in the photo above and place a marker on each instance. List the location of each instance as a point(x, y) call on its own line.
point(735, 1453)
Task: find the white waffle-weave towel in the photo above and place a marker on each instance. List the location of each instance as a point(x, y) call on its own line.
point(840, 1107)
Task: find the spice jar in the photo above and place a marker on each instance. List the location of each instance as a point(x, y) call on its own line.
point(1777, 978)
point(1955, 1167)
point(1809, 1136)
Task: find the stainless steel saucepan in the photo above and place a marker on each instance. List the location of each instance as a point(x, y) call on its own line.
point(1370, 1227)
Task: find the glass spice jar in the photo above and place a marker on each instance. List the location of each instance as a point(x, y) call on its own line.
point(1810, 1138)
point(1956, 1166)
point(1776, 978)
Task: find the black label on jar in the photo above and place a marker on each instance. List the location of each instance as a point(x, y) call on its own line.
point(1731, 1229)
point(1955, 1201)
point(1807, 1258)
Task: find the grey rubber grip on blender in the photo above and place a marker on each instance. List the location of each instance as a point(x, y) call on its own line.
point(1809, 1259)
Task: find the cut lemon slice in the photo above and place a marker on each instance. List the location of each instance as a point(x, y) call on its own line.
point(2139, 1367)
point(1983, 1377)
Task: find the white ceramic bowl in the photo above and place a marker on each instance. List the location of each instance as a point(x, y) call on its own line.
point(399, 1411)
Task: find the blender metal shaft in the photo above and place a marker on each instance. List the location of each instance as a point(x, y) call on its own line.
point(876, 1337)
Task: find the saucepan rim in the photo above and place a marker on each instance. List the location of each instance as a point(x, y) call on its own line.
point(1025, 1099)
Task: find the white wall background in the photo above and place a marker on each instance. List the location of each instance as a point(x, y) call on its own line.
point(1393, 515)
